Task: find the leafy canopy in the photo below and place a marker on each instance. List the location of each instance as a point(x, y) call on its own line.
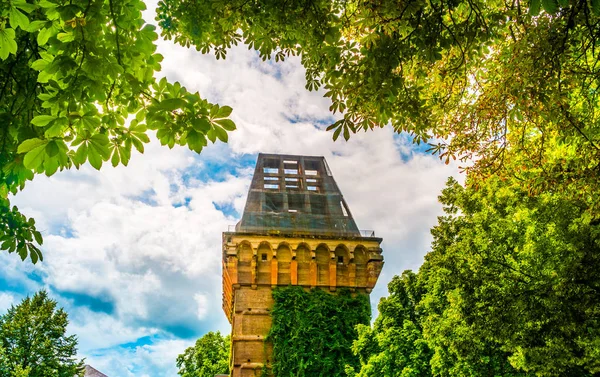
point(510, 288)
point(208, 357)
point(33, 341)
point(73, 73)
point(516, 270)
point(472, 77)
point(77, 86)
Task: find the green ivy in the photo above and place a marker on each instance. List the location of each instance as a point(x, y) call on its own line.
point(312, 331)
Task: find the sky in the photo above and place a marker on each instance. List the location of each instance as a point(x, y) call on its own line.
point(133, 253)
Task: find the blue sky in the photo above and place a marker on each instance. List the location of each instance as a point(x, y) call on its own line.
point(133, 254)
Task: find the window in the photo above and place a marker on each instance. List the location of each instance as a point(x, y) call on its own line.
point(312, 167)
point(341, 259)
point(313, 184)
point(271, 186)
point(271, 166)
point(263, 257)
point(293, 183)
point(290, 167)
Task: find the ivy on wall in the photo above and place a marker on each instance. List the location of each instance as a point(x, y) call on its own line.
point(312, 331)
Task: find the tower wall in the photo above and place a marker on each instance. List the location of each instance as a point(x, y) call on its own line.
point(254, 264)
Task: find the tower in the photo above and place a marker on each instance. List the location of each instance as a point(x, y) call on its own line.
point(296, 229)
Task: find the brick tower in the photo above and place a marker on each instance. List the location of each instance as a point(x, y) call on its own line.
point(296, 230)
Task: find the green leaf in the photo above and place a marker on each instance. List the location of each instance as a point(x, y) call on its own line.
point(30, 144)
point(221, 133)
point(336, 133)
point(38, 237)
point(51, 165)
point(95, 158)
point(57, 127)
point(201, 124)
point(44, 35)
point(81, 155)
point(115, 157)
point(52, 149)
point(65, 37)
point(534, 7)
point(40, 64)
point(35, 157)
point(42, 120)
point(99, 143)
point(595, 6)
point(226, 124)
point(212, 136)
point(125, 153)
point(171, 104)
point(8, 45)
point(137, 144)
point(35, 26)
point(17, 19)
point(90, 122)
point(223, 112)
point(21, 4)
point(550, 6)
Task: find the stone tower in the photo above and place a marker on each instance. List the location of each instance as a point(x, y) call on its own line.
point(296, 230)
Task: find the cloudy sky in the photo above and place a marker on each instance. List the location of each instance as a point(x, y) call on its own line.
point(133, 254)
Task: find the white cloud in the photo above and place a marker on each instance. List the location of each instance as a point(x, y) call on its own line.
point(203, 306)
point(6, 301)
point(156, 360)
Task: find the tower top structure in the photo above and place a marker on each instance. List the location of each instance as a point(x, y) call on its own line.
point(295, 195)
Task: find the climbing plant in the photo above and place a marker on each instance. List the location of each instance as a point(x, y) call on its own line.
point(312, 331)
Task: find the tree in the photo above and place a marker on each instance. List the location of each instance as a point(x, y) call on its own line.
point(33, 342)
point(77, 85)
point(208, 357)
point(474, 78)
point(395, 345)
point(511, 287)
point(518, 271)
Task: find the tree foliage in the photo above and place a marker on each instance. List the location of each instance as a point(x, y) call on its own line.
point(472, 77)
point(312, 332)
point(208, 357)
point(33, 341)
point(77, 86)
point(511, 287)
point(520, 271)
point(394, 346)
